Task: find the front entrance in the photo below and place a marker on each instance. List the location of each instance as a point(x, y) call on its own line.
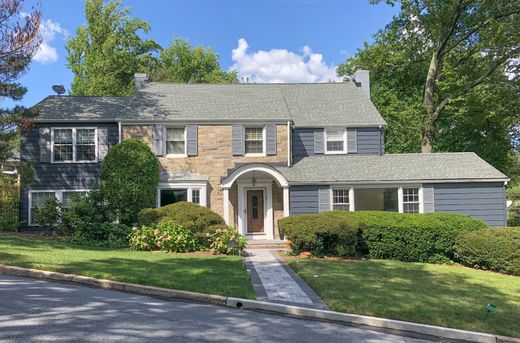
point(255, 211)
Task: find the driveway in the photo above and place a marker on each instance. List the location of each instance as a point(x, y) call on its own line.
point(36, 310)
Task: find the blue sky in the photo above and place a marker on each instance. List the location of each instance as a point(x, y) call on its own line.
point(264, 40)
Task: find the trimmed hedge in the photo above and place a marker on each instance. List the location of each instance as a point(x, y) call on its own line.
point(496, 249)
point(331, 235)
point(385, 235)
point(190, 216)
point(426, 237)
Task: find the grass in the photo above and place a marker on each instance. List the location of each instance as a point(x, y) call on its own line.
point(449, 296)
point(223, 275)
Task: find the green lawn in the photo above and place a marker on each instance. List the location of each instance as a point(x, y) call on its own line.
point(450, 296)
point(224, 275)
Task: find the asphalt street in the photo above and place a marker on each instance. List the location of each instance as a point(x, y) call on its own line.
point(45, 311)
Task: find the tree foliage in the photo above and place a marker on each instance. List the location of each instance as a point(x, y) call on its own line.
point(444, 76)
point(108, 50)
point(19, 41)
point(129, 177)
point(182, 63)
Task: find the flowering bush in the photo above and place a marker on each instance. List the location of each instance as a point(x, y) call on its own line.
point(169, 236)
point(224, 239)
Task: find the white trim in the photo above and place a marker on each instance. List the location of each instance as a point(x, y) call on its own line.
point(398, 182)
point(421, 200)
point(264, 141)
point(344, 151)
point(119, 131)
point(400, 199)
point(352, 198)
point(188, 186)
point(165, 135)
point(226, 205)
point(58, 194)
point(289, 145)
point(286, 203)
point(243, 187)
point(228, 182)
point(74, 148)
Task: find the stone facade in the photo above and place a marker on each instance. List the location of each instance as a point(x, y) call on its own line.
point(214, 160)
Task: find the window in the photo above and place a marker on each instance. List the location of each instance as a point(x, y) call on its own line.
point(254, 139)
point(63, 145)
point(175, 141)
point(85, 144)
point(336, 141)
point(410, 200)
point(74, 145)
point(67, 196)
point(376, 199)
point(37, 200)
point(195, 196)
point(340, 199)
point(170, 193)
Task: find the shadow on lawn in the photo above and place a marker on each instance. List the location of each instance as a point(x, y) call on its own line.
point(449, 296)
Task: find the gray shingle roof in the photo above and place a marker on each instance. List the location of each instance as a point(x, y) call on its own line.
point(389, 168)
point(306, 104)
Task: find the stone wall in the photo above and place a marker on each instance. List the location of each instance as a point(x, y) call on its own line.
point(214, 159)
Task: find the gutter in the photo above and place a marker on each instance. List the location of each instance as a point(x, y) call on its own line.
point(384, 182)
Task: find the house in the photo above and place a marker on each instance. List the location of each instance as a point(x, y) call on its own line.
point(255, 153)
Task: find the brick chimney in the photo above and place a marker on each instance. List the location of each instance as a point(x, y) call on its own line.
point(362, 79)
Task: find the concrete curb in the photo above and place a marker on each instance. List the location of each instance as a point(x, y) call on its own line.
point(246, 304)
point(115, 285)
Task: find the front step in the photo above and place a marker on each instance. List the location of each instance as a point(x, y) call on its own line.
point(268, 244)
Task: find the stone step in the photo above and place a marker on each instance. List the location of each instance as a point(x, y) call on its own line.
point(265, 244)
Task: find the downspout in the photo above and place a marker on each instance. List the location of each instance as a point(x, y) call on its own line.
point(288, 143)
point(381, 140)
point(119, 130)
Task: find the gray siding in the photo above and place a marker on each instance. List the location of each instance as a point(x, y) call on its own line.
point(370, 140)
point(303, 200)
point(58, 176)
point(482, 200)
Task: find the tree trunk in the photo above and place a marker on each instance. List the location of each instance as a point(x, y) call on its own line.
point(428, 120)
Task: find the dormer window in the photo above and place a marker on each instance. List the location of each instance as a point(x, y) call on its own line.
point(336, 141)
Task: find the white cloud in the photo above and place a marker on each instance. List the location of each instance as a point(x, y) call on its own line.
point(281, 65)
point(48, 31)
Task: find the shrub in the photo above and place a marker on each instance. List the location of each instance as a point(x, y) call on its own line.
point(496, 249)
point(513, 194)
point(331, 234)
point(192, 217)
point(410, 237)
point(224, 239)
point(166, 236)
point(84, 211)
point(130, 175)
point(100, 234)
point(49, 213)
point(9, 204)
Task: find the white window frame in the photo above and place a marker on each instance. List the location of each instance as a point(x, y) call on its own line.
point(58, 194)
point(189, 187)
point(399, 188)
point(402, 202)
point(74, 138)
point(350, 196)
point(264, 141)
point(344, 151)
point(165, 133)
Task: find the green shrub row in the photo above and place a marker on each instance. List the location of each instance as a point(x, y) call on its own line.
point(386, 235)
point(496, 249)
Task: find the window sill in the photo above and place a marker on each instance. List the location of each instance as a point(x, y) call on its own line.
point(255, 155)
point(335, 152)
point(71, 162)
point(176, 156)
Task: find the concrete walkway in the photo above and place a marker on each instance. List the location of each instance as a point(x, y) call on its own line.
point(273, 280)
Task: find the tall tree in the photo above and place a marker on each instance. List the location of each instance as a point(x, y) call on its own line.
point(182, 63)
point(108, 50)
point(464, 42)
point(19, 41)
